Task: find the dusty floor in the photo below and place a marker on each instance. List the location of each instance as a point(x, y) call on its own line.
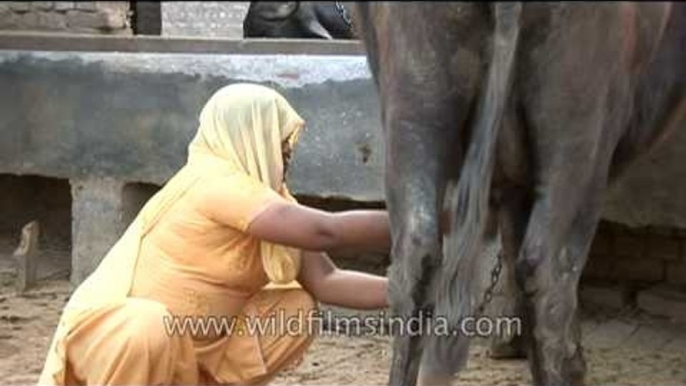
point(622, 349)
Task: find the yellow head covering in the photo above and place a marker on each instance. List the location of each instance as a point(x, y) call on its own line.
point(242, 128)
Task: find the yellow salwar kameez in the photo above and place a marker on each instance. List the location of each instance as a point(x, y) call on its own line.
point(177, 260)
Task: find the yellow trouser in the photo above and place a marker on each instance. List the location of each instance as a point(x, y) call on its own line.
point(128, 344)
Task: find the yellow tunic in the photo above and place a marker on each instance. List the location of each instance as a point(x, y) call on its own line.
point(176, 262)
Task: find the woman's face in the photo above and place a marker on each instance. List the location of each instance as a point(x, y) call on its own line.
point(287, 152)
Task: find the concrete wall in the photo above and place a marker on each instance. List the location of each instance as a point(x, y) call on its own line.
point(105, 120)
point(131, 116)
point(91, 17)
point(204, 18)
point(180, 18)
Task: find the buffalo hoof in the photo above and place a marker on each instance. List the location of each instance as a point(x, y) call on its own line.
point(512, 349)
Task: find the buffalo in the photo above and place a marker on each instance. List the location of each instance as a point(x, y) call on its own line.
point(511, 120)
point(298, 20)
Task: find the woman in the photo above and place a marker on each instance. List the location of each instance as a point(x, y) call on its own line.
point(222, 239)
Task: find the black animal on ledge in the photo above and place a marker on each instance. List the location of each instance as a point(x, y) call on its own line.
point(298, 20)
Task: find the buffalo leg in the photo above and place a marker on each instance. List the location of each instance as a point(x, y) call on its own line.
point(425, 98)
point(414, 179)
point(558, 237)
point(552, 303)
point(421, 154)
point(545, 282)
point(509, 302)
point(577, 249)
point(562, 223)
point(573, 124)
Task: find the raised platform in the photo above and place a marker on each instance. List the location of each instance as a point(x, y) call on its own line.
point(129, 115)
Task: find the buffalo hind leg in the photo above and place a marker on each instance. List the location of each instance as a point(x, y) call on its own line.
point(423, 111)
point(415, 257)
point(508, 301)
point(415, 180)
point(548, 270)
point(577, 249)
point(573, 123)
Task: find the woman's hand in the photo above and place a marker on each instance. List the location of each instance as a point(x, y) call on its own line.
point(330, 285)
point(316, 230)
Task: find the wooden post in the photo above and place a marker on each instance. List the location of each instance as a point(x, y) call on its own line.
point(147, 17)
point(26, 257)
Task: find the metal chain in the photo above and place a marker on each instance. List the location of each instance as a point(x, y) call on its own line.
point(343, 12)
point(488, 293)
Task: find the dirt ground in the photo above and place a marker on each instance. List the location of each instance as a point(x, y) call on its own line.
point(622, 348)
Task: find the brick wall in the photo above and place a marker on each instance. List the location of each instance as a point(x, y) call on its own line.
point(642, 256)
point(92, 17)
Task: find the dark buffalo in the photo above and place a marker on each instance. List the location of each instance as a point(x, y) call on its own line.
point(518, 115)
point(298, 19)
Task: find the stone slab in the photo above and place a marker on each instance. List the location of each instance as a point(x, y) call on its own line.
point(664, 300)
point(611, 334)
point(615, 297)
point(651, 338)
point(677, 345)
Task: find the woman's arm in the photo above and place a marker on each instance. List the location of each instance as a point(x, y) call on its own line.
point(311, 229)
point(350, 289)
point(235, 199)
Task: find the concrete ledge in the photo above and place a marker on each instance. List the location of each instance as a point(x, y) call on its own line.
point(161, 44)
point(130, 116)
point(664, 300)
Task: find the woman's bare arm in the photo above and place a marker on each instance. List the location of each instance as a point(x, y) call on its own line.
point(288, 223)
point(344, 288)
point(316, 230)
